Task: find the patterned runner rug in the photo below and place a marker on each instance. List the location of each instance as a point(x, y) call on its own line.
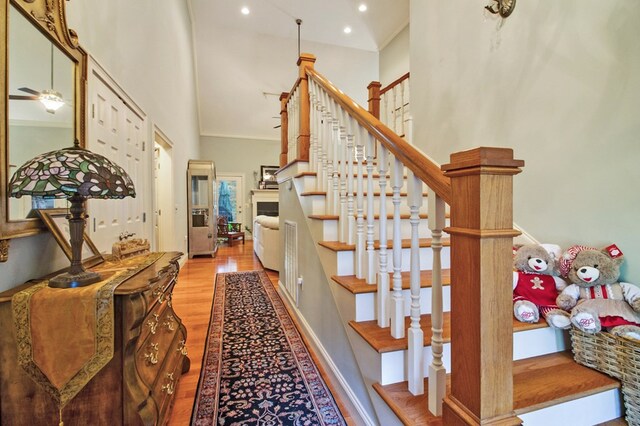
point(256, 369)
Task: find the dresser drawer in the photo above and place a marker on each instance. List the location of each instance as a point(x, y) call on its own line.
point(154, 321)
point(164, 390)
point(151, 352)
point(159, 292)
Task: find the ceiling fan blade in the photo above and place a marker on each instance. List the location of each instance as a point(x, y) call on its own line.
point(23, 98)
point(26, 89)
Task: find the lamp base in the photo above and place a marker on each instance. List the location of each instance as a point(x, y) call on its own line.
point(67, 280)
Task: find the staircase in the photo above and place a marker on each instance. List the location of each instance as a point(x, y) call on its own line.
point(377, 222)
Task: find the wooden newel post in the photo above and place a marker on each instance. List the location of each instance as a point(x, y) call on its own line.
point(305, 61)
point(284, 129)
point(481, 287)
point(374, 98)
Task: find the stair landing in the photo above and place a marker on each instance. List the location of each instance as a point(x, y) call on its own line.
point(538, 383)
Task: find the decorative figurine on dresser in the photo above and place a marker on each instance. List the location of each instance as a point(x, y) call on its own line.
point(99, 343)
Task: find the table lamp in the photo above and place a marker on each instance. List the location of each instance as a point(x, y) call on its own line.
point(74, 173)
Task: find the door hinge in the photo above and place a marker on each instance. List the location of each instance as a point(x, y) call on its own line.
point(94, 224)
point(144, 146)
point(93, 110)
point(144, 217)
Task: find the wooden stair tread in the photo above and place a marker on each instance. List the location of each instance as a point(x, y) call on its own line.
point(538, 382)
point(406, 243)
point(381, 340)
point(359, 285)
point(302, 174)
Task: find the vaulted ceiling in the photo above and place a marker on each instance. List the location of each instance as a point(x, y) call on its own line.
point(243, 62)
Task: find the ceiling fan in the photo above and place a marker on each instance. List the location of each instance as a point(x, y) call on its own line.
point(50, 98)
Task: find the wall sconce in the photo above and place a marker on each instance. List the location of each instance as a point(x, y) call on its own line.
point(502, 7)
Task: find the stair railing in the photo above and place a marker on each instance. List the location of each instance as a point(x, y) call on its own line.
point(391, 105)
point(477, 184)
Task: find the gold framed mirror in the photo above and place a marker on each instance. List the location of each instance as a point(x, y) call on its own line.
point(44, 100)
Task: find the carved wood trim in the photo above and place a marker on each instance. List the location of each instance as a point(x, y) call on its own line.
point(4, 250)
point(48, 16)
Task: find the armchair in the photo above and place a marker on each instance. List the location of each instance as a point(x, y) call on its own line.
point(230, 231)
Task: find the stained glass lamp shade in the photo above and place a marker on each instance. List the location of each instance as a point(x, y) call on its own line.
point(77, 174)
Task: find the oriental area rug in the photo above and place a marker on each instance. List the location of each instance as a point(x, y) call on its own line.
point(256, 369)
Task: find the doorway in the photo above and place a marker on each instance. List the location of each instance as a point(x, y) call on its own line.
point(163, 210)
point(231, 197)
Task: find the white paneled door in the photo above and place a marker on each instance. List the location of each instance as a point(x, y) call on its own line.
point(117, 132)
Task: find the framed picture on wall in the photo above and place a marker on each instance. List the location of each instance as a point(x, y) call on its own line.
point(268, 176)
point(57, 222)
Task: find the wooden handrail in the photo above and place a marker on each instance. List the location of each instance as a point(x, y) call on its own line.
point(394, 83)
point(416, 161)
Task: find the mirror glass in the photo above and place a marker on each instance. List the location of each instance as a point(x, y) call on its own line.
point(36, 67)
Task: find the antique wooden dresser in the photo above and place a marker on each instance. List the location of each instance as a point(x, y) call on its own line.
point(137, 387)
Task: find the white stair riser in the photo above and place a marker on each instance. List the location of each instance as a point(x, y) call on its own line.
point(330, 229)
point(590, 410)
point(393, 364)
point(366, 303)
point(346, 260)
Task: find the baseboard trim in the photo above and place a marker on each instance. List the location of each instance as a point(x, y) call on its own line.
point(321, 351)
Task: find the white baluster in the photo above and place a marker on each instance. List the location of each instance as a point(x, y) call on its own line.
point(383, 274)
point(402, 129)
point(351, 219)
point(290, 128)
point(394, 109)
point(397, 301)
point(335, 201)
point(319, 146)
point(385, 114)
point(437, 372)
point(414, 334)
point(326, 141)
point(330, 152)
point(313, 137)
point(315, 164)
point(371, 267)
point(360, 236)
point(342, 212)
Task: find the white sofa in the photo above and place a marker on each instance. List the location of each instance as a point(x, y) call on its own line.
point(266, 241)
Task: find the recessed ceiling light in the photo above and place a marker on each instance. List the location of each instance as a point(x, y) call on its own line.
point(245, 10)
point(347, 30)
point(362, 7)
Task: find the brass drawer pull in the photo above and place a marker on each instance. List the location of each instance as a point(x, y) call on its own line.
point(153, 324)
point(170, 387)
point(182, 348)
point(152, 356)
point(170, 323)
point(159, 294)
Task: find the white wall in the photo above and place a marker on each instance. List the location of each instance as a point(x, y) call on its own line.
point(394, 58)
point(241, 156)
point(559, 83)
point(146, 47)
point(268, 62)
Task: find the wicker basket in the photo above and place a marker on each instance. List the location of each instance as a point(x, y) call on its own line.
point(616, 356)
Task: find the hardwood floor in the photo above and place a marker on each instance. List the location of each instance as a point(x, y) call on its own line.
point(192, 299)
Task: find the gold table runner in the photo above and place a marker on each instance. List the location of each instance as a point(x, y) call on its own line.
point(65, 336)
